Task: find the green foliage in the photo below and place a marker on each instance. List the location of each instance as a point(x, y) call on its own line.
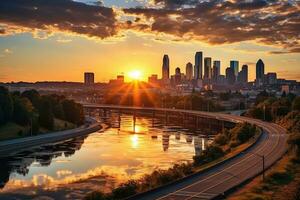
point(241, 133)
point(32, 110)
point(279, 178)
point(296, 104)
point(212, 153)
point(96, 195)
point(73, 112)
point(22, 111)
point(221, 139)
point(46, 117)
point(6, 104)
point(125, 190)
point(147, 182)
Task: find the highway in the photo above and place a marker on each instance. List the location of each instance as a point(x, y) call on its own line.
point(217, 181)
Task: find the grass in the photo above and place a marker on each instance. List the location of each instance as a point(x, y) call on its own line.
point(12, 130)
point(282, 180)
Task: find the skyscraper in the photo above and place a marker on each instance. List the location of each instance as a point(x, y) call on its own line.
point(216, 70)
point(177, 76)
point(260, 72)
point(243, 75)
point(234, 64)
point(198, 65)
point(207, 68)
point(230, 77)
point(189, 71)
point(89, 78)
point(166, 68)
point(177, 71)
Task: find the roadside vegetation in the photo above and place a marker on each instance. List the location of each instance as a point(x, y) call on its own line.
point(29, 112)
point(225, 142)
point(283, 180)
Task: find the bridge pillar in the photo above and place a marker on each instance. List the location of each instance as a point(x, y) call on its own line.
point(134, 120)
point(153, 116)
point(119, 118)
point(166, 117)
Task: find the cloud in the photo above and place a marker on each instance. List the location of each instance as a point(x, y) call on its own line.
point(8, 51)
point(271, 22)
point(57, 15)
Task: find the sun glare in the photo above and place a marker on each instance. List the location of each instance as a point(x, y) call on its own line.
point(135, 75)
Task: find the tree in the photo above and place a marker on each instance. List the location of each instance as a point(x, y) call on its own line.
point(2, 121)
point(33, 96)
point(46, 117)
point(6, 104)
point(212, 152)
point(73, 112)
point(22, 110)
point(296, 104)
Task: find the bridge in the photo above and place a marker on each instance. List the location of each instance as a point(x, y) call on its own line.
point(219, 180)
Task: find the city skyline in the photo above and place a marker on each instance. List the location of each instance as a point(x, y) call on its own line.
point(130, 41)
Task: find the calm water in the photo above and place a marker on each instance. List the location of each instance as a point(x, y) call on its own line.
point(99, 161)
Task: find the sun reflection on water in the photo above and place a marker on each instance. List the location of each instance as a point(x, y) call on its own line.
point(134, 141)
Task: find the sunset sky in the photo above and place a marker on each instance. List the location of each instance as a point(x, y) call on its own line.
point(58, 40)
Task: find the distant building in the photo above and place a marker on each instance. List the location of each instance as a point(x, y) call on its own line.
point(166, 68)
point(230, 76)
point(89, 78)
point(189, 71)
point(207, 68)
point(153, 79)
point(177, 76)
point(285, 89)
point(271, 78)
point(260, 72)
point(221, 80)
point(234, 65)
point(216, 71)
point(243, 75)
point(198, 65)
point(119, 81)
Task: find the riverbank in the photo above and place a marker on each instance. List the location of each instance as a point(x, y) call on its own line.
point(177, 175)
point(9, 147)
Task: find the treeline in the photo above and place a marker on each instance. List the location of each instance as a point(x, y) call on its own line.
point(193, 101)
point(31, 108)
point(271, 108)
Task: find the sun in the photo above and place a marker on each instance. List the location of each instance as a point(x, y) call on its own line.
point(135, 75)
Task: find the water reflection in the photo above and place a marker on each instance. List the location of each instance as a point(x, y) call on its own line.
point(130, 148)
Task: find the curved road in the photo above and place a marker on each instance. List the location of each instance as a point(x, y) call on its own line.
point(216, 181)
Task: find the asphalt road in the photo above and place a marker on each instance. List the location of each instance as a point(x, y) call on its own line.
point(219, 179)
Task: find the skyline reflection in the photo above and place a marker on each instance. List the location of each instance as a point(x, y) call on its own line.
point(99, 161)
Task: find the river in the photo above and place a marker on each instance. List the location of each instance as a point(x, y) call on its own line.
point(127, 149)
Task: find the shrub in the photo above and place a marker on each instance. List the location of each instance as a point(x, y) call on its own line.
point(221, 139)
point(212, 153)
point(125, 190)
point(95, 195)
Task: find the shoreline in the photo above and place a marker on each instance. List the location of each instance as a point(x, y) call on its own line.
point(10, 147)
